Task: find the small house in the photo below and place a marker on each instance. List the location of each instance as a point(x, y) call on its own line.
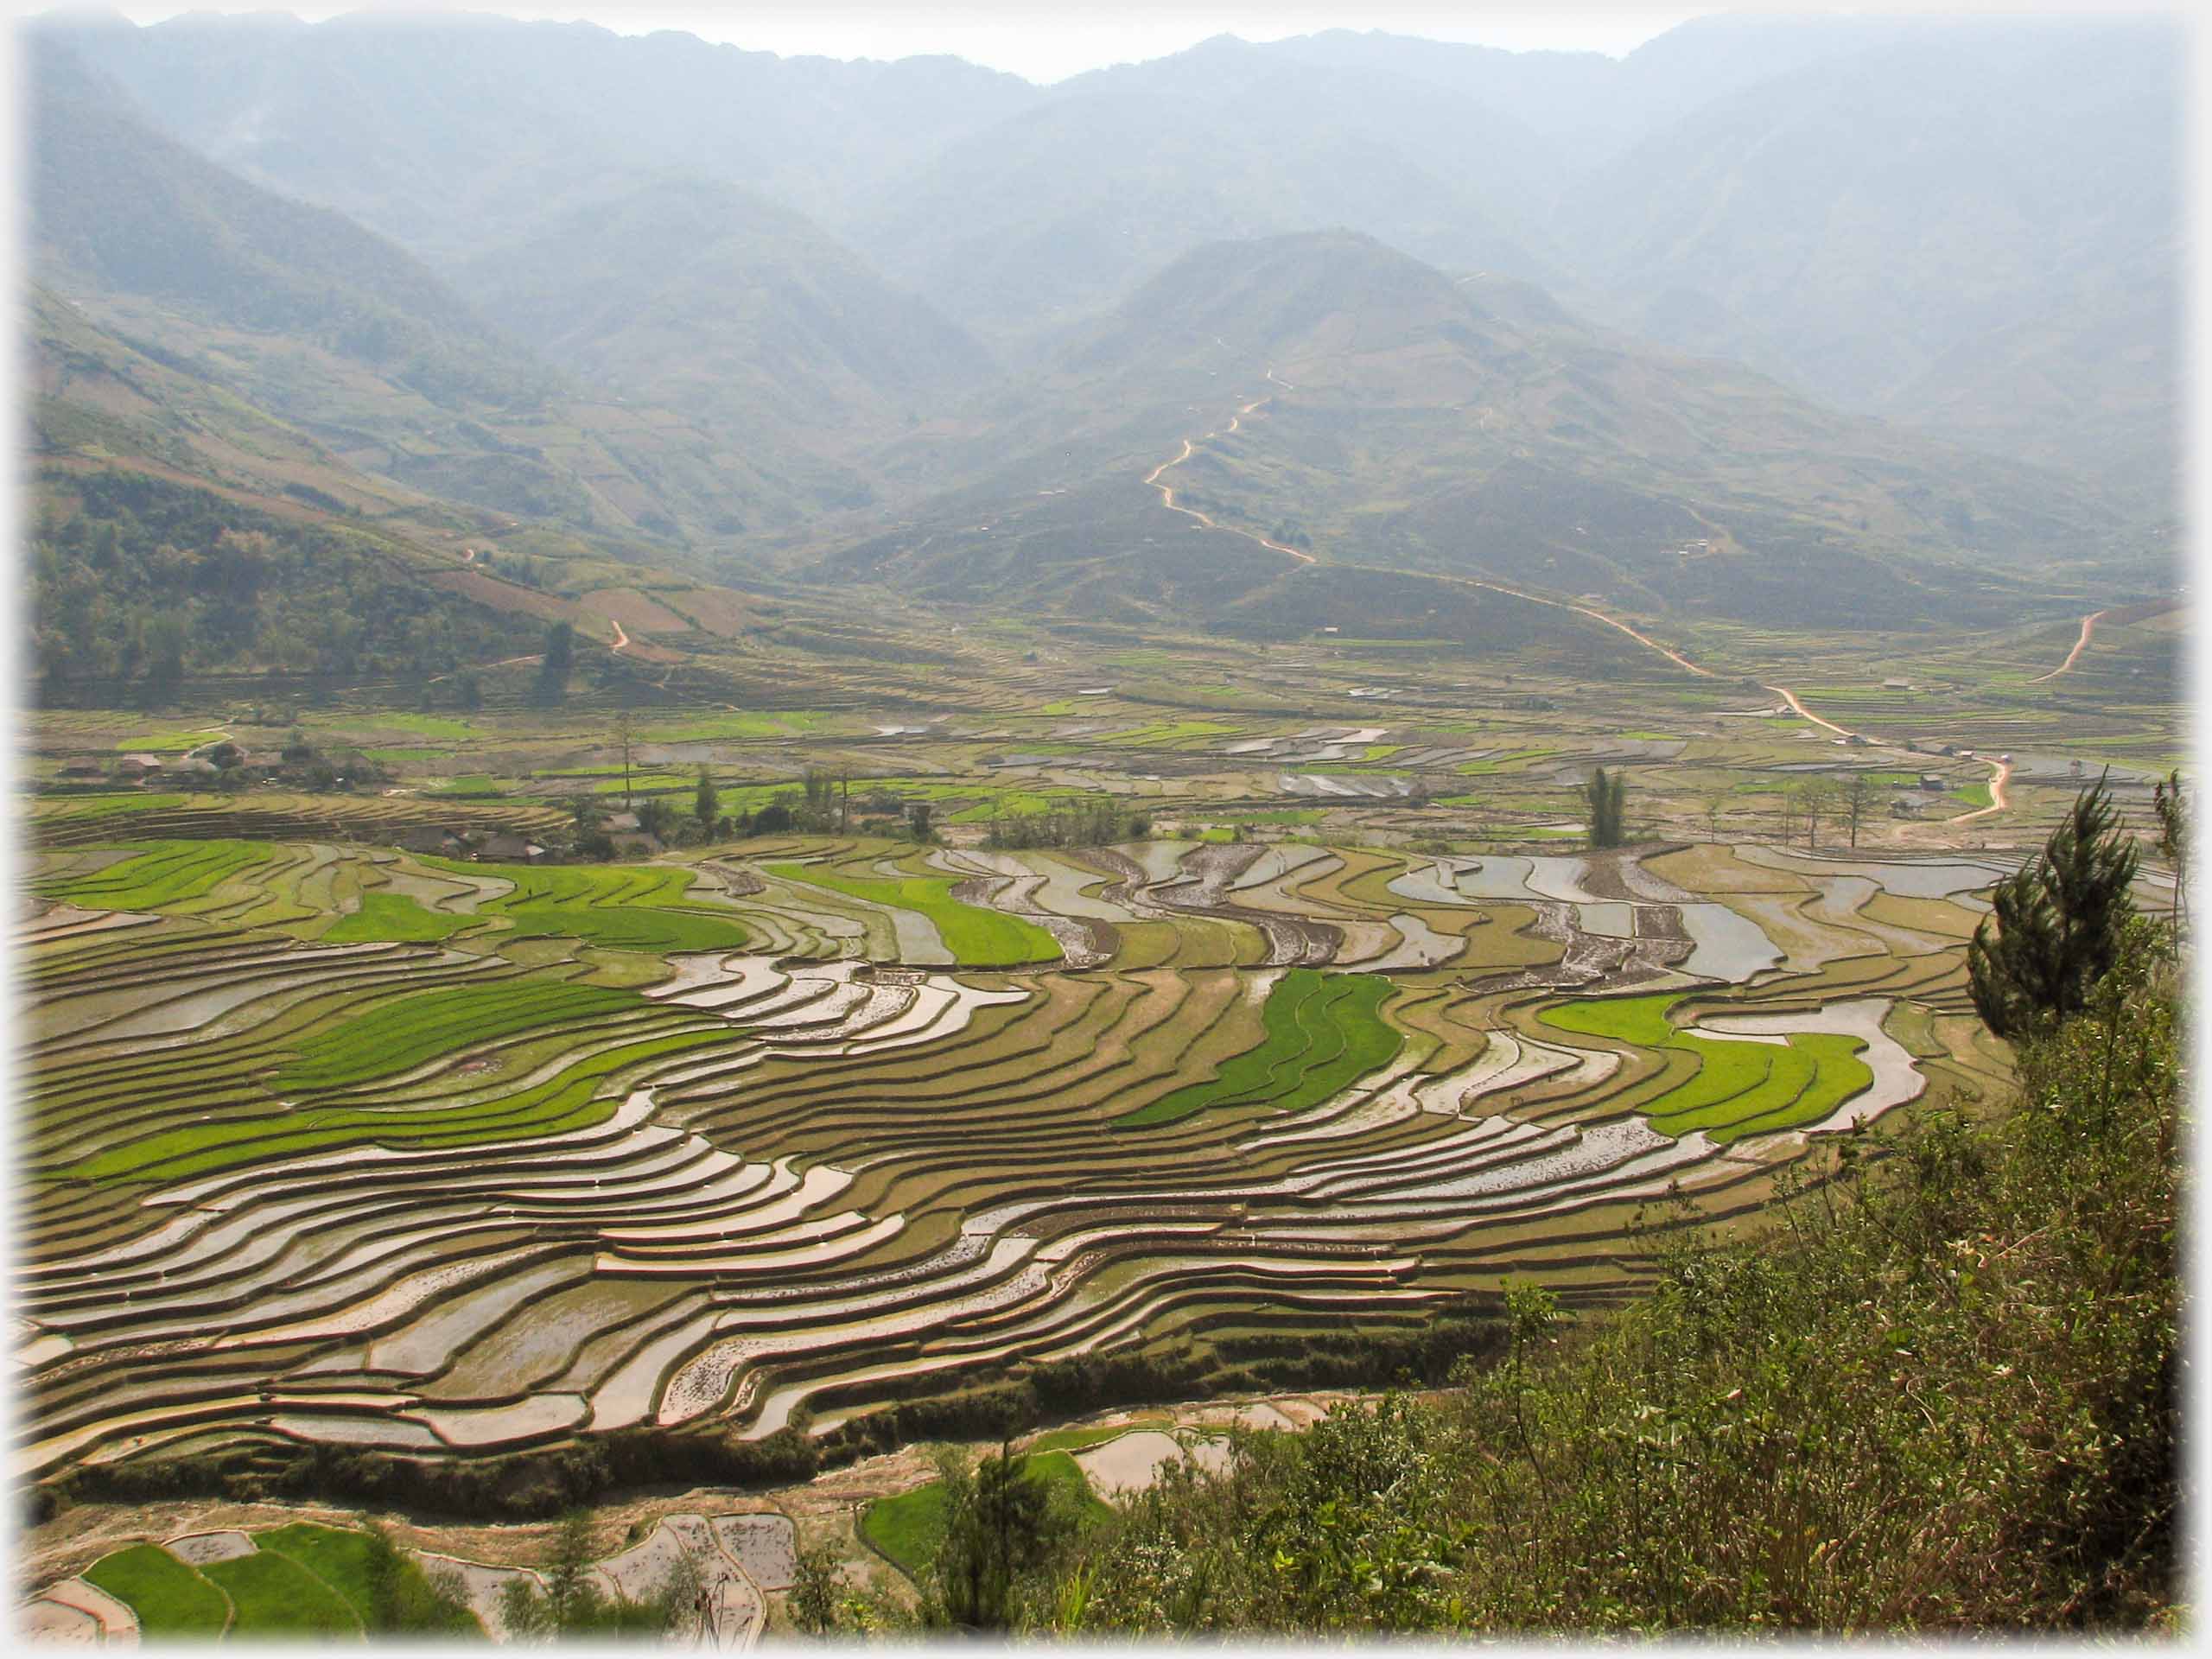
point(636, 844)
point(425, 839)
point(138, 765)
point(511, 849)
point(77, 769)
point(1929, 780)
point(1904, 807)
point(616, 823)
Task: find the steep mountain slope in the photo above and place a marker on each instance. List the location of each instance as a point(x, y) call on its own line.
point(441, 132)
point(1354, 407)
point(332, 331)
point(1852, 224)
point(116, 207)
point(714, 300)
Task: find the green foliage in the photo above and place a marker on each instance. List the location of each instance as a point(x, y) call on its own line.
point(573, 1608)
point(818, 1590)
point(2054, 925)
point(149, 580)
point(1939, 1391)
point(998, 1524)
point(1606, 798)
point(170, 1598)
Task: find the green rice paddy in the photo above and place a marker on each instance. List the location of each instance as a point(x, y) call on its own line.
point(623, 907)
point(977, 937)
point(1739, 1087)
point(1323, 1032)
point(170, 1598)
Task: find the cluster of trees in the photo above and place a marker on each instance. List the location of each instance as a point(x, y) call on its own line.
point(1098, 823)
point(147, 582)
point(1606, 798)
point(571, 1607)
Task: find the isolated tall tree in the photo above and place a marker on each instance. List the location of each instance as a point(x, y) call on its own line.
point(559, 659)
point(706, 805)
point(2173, 842)
point(1607, 799)
point(2054, 928)
point(624, 724)
point(1856, 795)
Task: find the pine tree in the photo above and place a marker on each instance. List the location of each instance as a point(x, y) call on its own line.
point(2055, 926)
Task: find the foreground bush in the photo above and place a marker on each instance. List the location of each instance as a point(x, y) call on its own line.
point(1939, 1393)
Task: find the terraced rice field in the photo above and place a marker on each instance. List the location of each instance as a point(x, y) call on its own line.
point(770, 1135)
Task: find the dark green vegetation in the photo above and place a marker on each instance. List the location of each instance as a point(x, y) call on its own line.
point(1322, 1031)
point(572, 1607)
point(148, 581)
point(1942, 1393)
point(2055, 926)
point(170, 1598)
point(1607, 797)
point(912, 1530)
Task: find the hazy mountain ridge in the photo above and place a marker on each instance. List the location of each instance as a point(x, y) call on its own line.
point(720, 302)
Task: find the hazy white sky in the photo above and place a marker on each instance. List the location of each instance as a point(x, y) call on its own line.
point(1045, 41)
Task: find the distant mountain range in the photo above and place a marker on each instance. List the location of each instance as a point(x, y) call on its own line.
point(1546, 318)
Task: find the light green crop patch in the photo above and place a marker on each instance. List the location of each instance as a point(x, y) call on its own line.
point(977, 937)
point(1739, 1087)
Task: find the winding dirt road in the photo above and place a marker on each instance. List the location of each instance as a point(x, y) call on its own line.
point(1167, 492)
point(621, 639)
point(2089, 631)
point(1999, 771)
point(1803, 713)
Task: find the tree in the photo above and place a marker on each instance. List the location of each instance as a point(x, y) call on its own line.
point(773, 819)
point(1818, 795)
point(918, 819)
point(706, 805)
point(1716, 802)
point(2054, 927)
point(1607, 799)
point(656, 817)
point(999, 1525)
point(2173, 842)
point(623, 727)
point(818, 1588)
point(559, 660)
point(1857, 795)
